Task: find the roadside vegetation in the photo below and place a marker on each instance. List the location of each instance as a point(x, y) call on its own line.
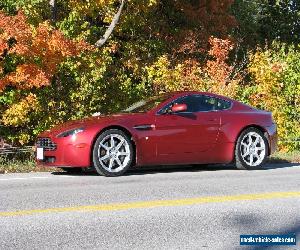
point(285, 157)
point(55, 64)
point(16, 166)
point(21, 163)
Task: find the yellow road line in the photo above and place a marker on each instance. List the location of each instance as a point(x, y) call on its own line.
point(156, 203)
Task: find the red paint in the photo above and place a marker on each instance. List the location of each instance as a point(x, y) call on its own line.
point(171, 138)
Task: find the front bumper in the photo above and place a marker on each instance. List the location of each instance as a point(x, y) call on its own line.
point(72, 151)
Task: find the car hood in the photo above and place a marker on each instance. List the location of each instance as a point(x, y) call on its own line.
point(86, 122)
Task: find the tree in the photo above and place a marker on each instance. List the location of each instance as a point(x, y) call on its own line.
point(216, 75)
point(108, 32)
point(37, 52)
point(104, 79)
point(197, 21)
point(280, 20)
point(275, 87)
point(111, 27)
point(263, 21)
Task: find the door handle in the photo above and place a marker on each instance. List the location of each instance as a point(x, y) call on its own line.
point(144, 127)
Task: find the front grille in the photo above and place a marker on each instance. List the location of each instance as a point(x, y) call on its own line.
point(46, 143)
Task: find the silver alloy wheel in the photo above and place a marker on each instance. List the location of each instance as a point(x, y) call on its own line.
point(114, 153)
point(253, 149)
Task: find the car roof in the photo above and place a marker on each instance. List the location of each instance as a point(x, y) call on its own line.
point(181, 93)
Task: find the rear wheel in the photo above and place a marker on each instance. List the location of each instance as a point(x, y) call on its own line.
point(112, 153)
point(251, 149)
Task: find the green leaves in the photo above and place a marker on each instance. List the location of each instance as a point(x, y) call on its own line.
point(158, 46)
point(276, 87)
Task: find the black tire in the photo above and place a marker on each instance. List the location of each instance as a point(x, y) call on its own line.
point(102, 167)
point(243, 162)
point(72, 170)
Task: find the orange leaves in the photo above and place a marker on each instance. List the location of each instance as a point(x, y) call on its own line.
point(222, 78)
point(3, 46)
point(42, 48)
point(27, 76)
point(15, 27)
point(217, 68)
point(277, 67)
point(220, 48)
point(204, 18)
point(52, 47)
point(216, 75)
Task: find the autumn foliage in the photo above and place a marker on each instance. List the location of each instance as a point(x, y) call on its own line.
point(218, 67)
point(40, 51)
point(214, 75)
point(205, 18)
point(208, 12)
point(50, 72)
point(276, 87)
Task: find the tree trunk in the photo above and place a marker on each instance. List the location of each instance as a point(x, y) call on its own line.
point(53, 9)
point(111, 27)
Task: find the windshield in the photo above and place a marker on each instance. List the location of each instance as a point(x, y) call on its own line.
point(148, 104)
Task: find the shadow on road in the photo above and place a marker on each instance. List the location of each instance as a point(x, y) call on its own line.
point(253, 222)
point(276, 165)
point(160, 169)
point(183, 168)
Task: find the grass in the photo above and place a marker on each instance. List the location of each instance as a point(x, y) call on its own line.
point(26, 164)
point(281, 157)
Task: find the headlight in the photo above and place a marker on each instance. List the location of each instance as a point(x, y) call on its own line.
point(70, 132)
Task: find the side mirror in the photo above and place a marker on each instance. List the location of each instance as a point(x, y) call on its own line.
point(179, 108)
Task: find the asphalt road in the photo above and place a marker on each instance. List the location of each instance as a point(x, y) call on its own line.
point(179, 208)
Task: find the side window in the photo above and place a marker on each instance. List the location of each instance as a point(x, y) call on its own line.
point(199, 103)
point(194, 103)
point(190, 101)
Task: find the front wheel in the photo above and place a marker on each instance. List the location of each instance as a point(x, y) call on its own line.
point(112, 153)
point(251, 149)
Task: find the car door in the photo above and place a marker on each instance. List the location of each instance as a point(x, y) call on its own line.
point(185, 137)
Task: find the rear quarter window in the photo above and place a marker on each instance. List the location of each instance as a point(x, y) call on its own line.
point(222, 104)
point(218, 104)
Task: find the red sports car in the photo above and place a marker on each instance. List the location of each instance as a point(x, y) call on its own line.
point(174, 128)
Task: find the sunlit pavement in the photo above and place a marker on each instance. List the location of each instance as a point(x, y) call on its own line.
point(191, 207)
